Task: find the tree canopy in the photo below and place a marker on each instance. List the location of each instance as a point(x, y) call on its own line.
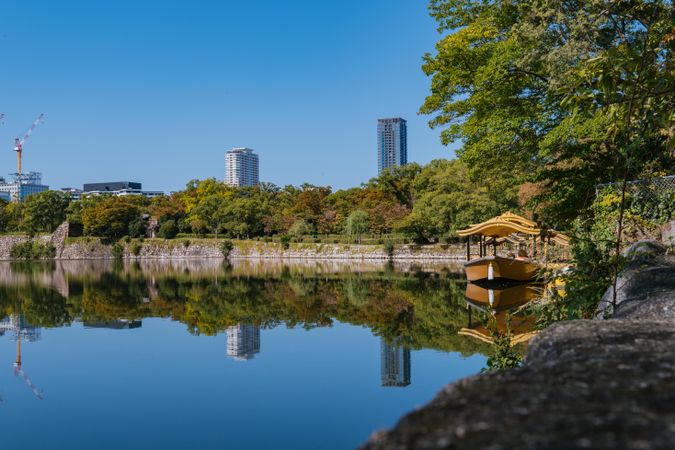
point(562, 94)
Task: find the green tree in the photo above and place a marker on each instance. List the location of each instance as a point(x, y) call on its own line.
point(168, 229)
point(397, 182)
point(300, 228)
point(44, 211)
point(564, 94)
point(110, 217)
point(209, 211)
point(356, 225)
point(449, 200)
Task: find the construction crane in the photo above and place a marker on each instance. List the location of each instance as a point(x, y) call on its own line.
point(18, 143)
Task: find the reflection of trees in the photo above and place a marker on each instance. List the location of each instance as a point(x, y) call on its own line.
point(421, 310)
point(356, 290)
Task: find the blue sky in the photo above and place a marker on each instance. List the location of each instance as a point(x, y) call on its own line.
point(157, 91)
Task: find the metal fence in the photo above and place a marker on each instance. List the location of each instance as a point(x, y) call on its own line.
point(652, 188)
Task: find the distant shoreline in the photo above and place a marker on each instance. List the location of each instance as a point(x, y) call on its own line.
point(136, 249)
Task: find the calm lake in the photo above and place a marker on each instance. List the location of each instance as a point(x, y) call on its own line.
point(209, 355)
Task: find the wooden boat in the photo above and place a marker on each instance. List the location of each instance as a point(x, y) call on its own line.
point(508, 230)
point(502, 299)
point(501, 268)
point(522, 329)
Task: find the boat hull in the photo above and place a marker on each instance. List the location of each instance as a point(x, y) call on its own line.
point(502, 299)
point(500, 268)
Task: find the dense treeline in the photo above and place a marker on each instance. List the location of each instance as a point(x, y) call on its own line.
point(426, 203)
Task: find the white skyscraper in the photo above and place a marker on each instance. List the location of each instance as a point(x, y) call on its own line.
point(241, 167)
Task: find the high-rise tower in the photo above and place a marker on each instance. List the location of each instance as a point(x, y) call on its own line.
point(241, 167)
point(392, 143)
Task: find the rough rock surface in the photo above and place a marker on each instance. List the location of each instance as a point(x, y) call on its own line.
point(584, 384)
point(646, 287)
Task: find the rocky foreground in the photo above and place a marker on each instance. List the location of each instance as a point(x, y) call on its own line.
point(584, 384)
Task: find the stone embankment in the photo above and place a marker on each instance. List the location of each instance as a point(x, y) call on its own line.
point(584, 384)
point(93, 248)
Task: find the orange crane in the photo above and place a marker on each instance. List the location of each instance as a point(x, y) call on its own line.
point(18, 143)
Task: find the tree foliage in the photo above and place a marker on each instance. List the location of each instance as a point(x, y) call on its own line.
point(44, 211)
point(565, 94)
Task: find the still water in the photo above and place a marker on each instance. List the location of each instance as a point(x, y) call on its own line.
point(202, 354)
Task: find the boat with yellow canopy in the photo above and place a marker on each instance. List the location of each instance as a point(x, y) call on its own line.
point(511, 230)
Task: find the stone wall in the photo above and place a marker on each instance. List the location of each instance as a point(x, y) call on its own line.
point(93, 248)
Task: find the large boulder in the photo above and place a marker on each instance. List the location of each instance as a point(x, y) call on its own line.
point(645, 289)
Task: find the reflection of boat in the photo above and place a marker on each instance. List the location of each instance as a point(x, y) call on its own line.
point(501, 268)
point(500, 299)
point(521, 329)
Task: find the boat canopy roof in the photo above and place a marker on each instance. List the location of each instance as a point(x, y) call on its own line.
point(558, 238)
point(501, 226)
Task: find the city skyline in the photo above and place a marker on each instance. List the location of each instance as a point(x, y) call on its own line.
point(308, 105)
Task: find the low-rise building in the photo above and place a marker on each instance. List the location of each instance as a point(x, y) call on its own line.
point(118, 188)
point(73, 193)
point(22, 186)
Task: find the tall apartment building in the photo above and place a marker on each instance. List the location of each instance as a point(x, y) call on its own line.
point(243, 341)
point(241, 167)
point(394, 364)
point(392, 143)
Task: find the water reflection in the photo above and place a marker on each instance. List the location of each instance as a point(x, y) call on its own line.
point(153, 334)
point(499, 308)
point(22, 330)
point(423, 305)
point(119, 324)
point(394, 364)
point(243, 341)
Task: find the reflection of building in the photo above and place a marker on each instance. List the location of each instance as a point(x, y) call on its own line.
point(22, 329)
point(243, 341)
point(121, 324)
point(394, 364)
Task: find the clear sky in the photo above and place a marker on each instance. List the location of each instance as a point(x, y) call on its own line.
point(157, 91)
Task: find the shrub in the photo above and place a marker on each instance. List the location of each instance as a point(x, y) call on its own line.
point(389, 247)
point(32, 250)
point(126, 239)
point(285, 241)
point(186, 243)
point(168, 229)
point(136, 248)
point(226, 247)
point(300, 228)
point(117, 250)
